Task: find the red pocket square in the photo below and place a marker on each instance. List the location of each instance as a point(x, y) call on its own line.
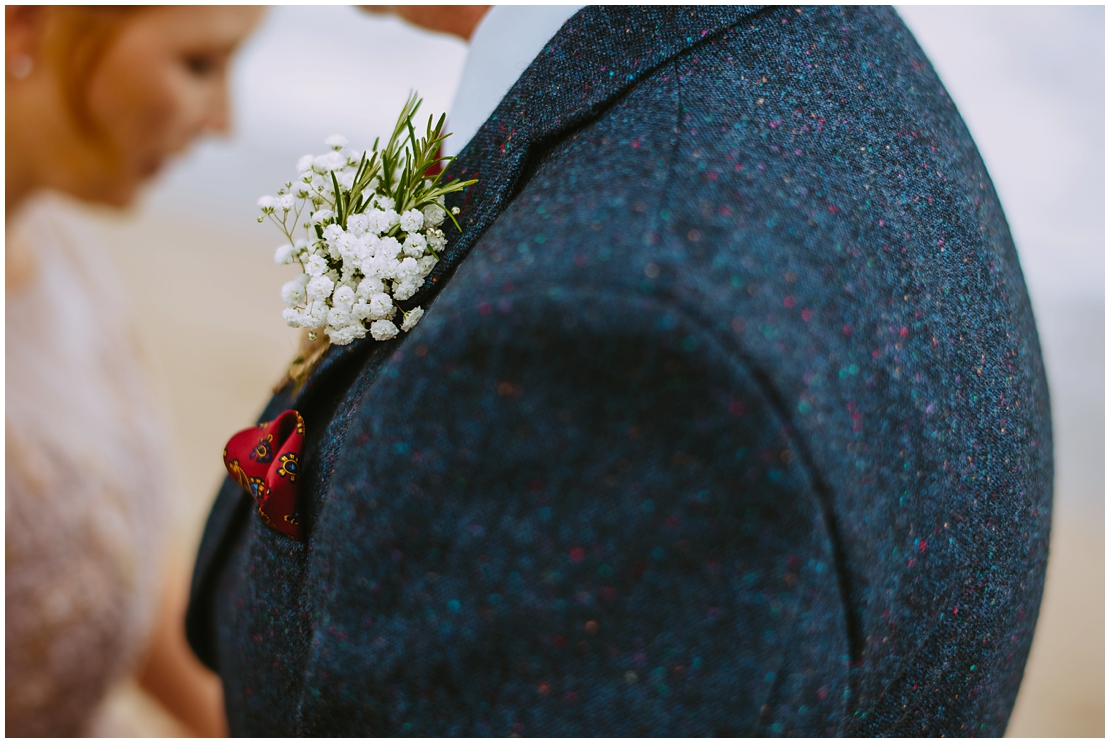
point(265, 460)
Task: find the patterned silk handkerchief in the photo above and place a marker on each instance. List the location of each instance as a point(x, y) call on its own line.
point(265, 461)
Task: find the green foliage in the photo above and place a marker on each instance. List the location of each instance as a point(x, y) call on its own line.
point(398, 170)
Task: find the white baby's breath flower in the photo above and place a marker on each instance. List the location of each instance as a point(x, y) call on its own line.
point(302, 190)
point(426, 263)
point(340, 336)
point(385, 203)
point(283, 254)
point(346, 242)
point(320, 287)
point(405, 289)
point(368, 287)
point(339, 317)
point(344, 296)
point(415, 245)
point(388, 246)
point(383, 330)
point(336, 141)
point(286, 202)
point(407, 270)
point(434, 215)
point(436, 239)
point(369, 268)
point(316, 266)
point(333, 234)
point(411, 318)
point(381, 306)
point(321, 215)
point(383, 266)
point(344, 335)
point(346, 179)
point(305, 163)
point(295, 318)
point(365, 247)
point(357, 224)
point(293, 292)
point(326, 163)
point(392, 218)
point(316, 314)
point(412, 221)
point(360, 311)
point(376, 221)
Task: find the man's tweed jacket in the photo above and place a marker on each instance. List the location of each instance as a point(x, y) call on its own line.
point(727, 416)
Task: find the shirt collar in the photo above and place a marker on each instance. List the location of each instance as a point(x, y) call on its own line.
point(505, 42)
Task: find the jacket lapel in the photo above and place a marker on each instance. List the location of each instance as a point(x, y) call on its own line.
point(597, 56)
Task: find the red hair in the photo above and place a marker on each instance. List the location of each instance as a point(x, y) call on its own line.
point(81, 36)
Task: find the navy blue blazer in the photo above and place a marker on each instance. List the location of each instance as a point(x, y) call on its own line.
point(727, 417)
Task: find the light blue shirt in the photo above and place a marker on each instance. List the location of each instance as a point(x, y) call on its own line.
point(505, 42)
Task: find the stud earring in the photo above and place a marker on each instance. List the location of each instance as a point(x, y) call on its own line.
point(20, 66)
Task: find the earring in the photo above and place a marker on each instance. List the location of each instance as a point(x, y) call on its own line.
point(20, 66)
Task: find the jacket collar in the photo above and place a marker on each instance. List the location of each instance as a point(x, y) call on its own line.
point(597, 56)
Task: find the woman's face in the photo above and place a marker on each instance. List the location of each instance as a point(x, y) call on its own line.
point(159, 84)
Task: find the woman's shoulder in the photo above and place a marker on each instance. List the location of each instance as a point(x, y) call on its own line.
point(63, 246)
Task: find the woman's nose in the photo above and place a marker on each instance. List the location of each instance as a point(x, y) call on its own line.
point(218, 116)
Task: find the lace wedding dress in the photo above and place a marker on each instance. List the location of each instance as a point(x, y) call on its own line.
point(87, 483)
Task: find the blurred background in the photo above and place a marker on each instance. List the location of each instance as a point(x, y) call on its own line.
point(1029, 81)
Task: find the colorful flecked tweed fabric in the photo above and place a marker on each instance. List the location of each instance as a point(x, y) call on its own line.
point(727, 417)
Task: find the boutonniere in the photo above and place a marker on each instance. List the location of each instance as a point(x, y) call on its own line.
point(365, 228)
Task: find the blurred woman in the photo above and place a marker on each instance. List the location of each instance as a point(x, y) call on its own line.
point(98, 100)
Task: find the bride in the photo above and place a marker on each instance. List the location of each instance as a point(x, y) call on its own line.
point(98, 99)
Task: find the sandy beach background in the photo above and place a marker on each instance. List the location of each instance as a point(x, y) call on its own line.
point(1028, 80)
